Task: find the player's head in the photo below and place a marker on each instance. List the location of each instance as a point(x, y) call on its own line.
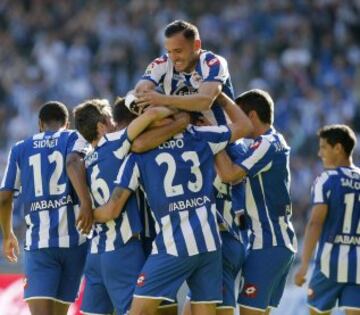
point(257, 102)
point(53, 115)
point(93, 119)
point(182, 42)
point(336, 144)
point(121, 114)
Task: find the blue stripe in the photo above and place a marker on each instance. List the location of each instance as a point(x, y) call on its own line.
point(334, 255)
point(118, 242)
point(352, 266)
point(102, 238)
point(35, 220)
point(71, 223)
point(213, 225)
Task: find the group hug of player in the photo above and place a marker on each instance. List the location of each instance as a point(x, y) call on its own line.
point(178, 182)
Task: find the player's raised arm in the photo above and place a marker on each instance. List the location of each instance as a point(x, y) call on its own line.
point(203, 100)
point(153, 137)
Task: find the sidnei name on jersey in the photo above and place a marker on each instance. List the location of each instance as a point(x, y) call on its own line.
point(45, 143)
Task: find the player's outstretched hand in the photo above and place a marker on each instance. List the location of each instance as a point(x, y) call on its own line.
point(85, 220)
point(11, 248)
point(300, 276)
point(150, 98)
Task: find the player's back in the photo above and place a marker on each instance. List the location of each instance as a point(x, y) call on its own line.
point(37, 169)
point(177, 178)
point(339, 249)
point(102, 166)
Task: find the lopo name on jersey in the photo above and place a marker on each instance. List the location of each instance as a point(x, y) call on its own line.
point(45, 143)
point(51, 204)
point(172, 144)
point(189, 203)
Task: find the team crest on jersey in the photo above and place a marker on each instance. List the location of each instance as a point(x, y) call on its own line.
point(250, 290)
point(212, 62)
point(255, 145)
point(141, 280)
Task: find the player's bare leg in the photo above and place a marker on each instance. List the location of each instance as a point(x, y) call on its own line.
point(313, 312)
point(225, 311)
point(248, 311)
point(168, 310)
point(268, 311)
point(41, 306)
point(143, 306)
point(352, 312)
point(203, 309)
point(61, 308)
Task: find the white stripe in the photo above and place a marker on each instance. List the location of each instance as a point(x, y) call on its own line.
point(95, 240)
point(188, 233)
point(63, 230)
point(125, 228)
point(28, 240)
point(124, 149)
point(115, 135)
point(358, 264)
point(208, 237)
point(325, 259)
point(44, 227)
point(110, 236)
point(318, 188)
point(343, 263)
point(273, 235)
point(285, 235)
point(257, 155)
point(47, 298)
point(168, 236)
point(254, 217)
point(154, 249)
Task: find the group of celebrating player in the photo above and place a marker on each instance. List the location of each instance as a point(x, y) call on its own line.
point(177, 182)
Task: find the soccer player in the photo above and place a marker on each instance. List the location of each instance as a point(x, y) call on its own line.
point(110, 285)
point(177, 178)
point(54, 249)
point(190, 77)
point(265, 167)
point(335, 226)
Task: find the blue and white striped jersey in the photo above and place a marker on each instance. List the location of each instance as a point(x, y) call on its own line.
point(102, 166)
point(210, 67)
point(36, 168)
point(338, 255)
point(267, 192)
point(225, 214)
point(177, 178)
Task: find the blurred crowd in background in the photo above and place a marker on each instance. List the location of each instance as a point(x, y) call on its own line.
point(306, 53)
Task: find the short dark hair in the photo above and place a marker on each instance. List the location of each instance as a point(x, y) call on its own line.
point(121, 113)
point(190, 31)
point(258, 100)
point(88, 114)
point(342, 134)
point(54, 111)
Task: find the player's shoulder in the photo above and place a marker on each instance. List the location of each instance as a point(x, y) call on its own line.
point(326, 176)
point(210, 59)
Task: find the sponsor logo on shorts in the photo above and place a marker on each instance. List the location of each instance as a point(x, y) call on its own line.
point(250, 290)
point(141, 280)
